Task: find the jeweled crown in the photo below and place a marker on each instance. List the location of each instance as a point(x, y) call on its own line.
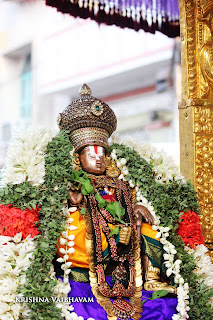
point(89, 120)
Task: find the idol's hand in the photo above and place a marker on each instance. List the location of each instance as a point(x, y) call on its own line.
point(141, 211)
point(75, 197)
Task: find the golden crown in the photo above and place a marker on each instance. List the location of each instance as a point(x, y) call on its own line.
point(89, 120)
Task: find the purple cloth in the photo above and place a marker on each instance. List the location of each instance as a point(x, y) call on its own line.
point(159, 309)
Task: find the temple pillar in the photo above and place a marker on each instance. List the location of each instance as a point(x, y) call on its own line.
point(196, 107)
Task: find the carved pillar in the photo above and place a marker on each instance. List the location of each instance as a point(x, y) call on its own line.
point(196, 107)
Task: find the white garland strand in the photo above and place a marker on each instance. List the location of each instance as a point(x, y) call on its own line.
point(14, 256)
point(67, 241)
point(25, 156)
point(165, 170)
point(204, 266)
point(164, 166)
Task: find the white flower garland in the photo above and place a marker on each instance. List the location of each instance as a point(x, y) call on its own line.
point(68, 241)
point(164, 166)
point(14, 256)
point(25, 156)
point(165, 170)
point(25, 162)
point(69, 244)
point(204, 266)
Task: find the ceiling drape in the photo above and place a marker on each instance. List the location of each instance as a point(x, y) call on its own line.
point(149, 15)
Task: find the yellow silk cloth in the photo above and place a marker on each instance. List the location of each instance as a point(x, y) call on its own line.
point(147, 230)
point(80, 258)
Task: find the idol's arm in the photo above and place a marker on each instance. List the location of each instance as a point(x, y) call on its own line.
point(141, 213)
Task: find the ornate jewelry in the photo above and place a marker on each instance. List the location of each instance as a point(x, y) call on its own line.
point(76, 162)
point(111, 168)
point(107, 216)
point(102, 182)
point(89, 136)
point(97, 108)
point(85, 90)
point(89, 120)
point(102, 291)
point(124, 235)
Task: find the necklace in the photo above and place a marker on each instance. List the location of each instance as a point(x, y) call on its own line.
point(128, 265)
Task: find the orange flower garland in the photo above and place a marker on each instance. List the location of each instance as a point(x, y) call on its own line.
point(190, 229)
point(14, 220)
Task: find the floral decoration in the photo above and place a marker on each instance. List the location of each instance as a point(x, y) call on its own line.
point(190, 230)
point(14, 220)
point(25, 156)
point(159, 186)
point(15, 255)
point(68, 246)
point(165, 193)
point(163, 165)
point(51, 197)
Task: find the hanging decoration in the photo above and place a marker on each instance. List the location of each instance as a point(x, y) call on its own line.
point(149, 15)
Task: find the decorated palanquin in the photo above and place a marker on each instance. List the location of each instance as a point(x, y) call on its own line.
point(92, 230)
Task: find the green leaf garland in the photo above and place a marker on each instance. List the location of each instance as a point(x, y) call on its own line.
point(168, 201)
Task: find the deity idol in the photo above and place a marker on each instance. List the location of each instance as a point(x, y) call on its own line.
point(93, 204)
point(114, 234)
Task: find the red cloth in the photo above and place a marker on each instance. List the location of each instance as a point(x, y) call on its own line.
point(109, 197)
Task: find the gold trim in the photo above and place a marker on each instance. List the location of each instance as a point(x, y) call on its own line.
point(196, 107)
point(79, 276)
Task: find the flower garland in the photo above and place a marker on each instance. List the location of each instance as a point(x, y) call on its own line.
point(190, 229)
point(16, 221)
point(159, 187)
point(25, 156)
point(68, 245)
point(50, 197)
point(163, 165)
point(204, 266)
point(15, 255)
point(166, 174)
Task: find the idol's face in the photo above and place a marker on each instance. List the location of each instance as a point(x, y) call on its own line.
point(92, 159)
